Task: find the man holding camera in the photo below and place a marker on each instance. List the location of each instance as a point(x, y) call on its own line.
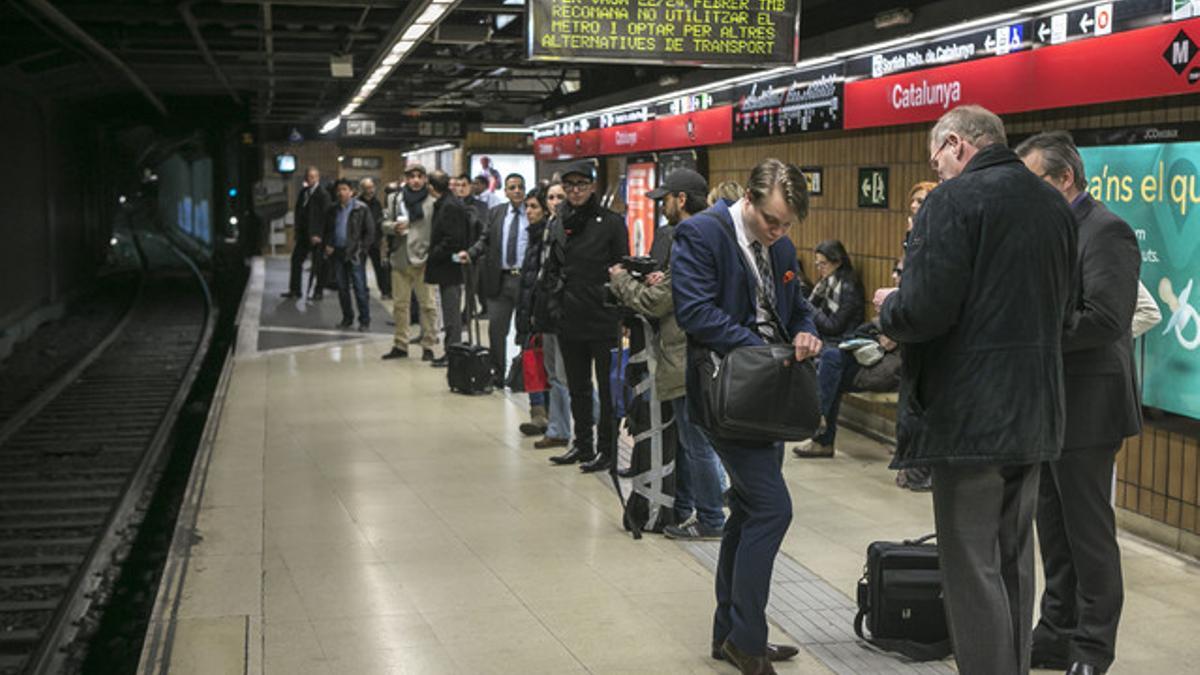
point(698, 501)
point(736, 284)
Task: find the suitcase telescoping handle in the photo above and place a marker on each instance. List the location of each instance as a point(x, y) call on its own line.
point(920, 540)
point(473, 333)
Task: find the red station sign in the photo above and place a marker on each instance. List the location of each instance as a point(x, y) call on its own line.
point(1144, 63)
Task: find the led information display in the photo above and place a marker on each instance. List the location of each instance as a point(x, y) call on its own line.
point(752, 33)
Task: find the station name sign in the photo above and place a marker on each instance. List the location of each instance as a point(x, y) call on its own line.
point(747, 33)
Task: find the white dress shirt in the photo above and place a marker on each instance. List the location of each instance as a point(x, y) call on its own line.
point(744, 239)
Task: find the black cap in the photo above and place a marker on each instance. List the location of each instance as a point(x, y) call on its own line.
point(681, 180)
point(581, 167)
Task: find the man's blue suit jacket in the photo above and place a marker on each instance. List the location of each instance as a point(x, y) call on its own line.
point(715, 293)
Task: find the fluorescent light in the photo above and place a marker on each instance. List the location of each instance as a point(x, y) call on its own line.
point(431, 148)
point(415, 31)
point(431, 14)
point(331, 125)
point(391, 59)
point(348, 109)
point(506, 129)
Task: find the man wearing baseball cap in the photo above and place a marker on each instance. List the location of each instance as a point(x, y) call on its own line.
point(698, 473)
point(591, 239)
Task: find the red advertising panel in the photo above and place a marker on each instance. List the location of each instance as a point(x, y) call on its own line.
point(639, 213)
point(1145, 63)
point(703, 127)
point(627, 139)
point(571, 146)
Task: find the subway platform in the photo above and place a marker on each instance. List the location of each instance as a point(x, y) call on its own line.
point(351, 515)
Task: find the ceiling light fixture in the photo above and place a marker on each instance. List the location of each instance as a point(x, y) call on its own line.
point(430, 148)
point(331, 125)
point(506, 129)
point(408, 31)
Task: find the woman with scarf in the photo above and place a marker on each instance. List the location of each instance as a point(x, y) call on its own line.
point(840, 307)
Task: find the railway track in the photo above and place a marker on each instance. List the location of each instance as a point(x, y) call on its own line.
point(76, 463)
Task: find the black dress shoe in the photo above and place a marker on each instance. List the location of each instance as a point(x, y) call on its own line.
point(427, 355)
point(396, 353)
point(599, 463)
point(1079, 668)
point(746, 664)
point(440, 363)
point(345, 324)
point(575, 454)
point(774, 652)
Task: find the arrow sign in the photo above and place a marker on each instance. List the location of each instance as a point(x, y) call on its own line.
point(990, 43)
point(1042, 31)
point(866, 188)
point(1086, 22)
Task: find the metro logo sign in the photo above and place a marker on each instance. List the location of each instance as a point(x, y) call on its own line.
point(1144, 63)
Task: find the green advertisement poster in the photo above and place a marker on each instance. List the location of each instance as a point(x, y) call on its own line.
point(1156, 189)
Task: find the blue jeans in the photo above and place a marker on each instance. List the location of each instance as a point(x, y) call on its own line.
point(560, 396)
point(698, 472)
point(835, 376)
point(348, 272)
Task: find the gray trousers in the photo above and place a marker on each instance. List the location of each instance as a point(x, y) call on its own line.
point(452, 314)
point(1077, 530)
point(984, 520)
point(500, 314)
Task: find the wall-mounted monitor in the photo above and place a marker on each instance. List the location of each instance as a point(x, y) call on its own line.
point(285, 163)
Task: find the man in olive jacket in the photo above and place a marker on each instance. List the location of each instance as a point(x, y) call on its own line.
point(698, 490)
point(980, 317)
point(1077, 530)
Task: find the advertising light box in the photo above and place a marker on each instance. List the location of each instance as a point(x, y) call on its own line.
point(1155, 187)
point(745, 33)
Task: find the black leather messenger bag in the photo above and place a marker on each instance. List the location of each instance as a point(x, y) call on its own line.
point(759, 395)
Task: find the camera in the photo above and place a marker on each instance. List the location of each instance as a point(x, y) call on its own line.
point(640, 266)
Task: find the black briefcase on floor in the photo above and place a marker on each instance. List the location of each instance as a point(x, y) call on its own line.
point(900, 599)
point(469, 366)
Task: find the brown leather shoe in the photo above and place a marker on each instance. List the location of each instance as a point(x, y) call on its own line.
point(548, 442)
point(774, 652)
point(746, 664)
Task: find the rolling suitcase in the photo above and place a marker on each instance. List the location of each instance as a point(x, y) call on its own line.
point(469, 365)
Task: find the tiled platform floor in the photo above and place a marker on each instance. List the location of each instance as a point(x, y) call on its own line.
point(356, 517)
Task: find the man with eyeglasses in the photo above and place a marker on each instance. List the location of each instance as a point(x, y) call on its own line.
point(1076, 526)
point(591, 239)
point(501, 248)
point(980, 318)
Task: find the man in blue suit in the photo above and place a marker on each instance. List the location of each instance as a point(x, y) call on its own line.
point(732, 264)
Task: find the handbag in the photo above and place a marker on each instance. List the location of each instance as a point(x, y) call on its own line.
point(533, 364)
point(883, 376)
point(900, 600)
point(759, 395)
point(516, 375)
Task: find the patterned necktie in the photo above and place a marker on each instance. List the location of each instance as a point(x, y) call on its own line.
point(766, 287)
point(510, 246)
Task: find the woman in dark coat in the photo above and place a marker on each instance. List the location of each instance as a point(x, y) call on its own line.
point(840, 308)
point(538, 215)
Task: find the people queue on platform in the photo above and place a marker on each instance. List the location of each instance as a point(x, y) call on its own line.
point(1007, 332)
